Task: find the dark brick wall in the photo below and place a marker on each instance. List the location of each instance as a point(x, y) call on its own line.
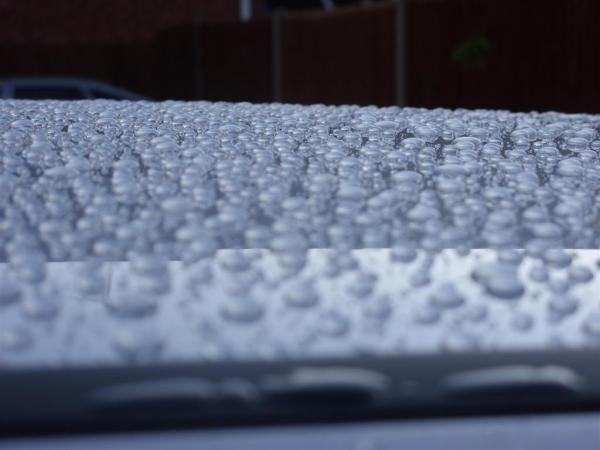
point(76, 22)
point(541, 54)
point(236, 61)
point(508, 54)
point(341, 57)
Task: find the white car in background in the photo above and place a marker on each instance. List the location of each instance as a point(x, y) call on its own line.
point(44, 88)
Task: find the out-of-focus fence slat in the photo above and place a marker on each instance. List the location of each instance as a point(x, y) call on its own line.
point(340, 56)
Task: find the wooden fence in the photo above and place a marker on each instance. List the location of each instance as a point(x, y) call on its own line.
point(509, 54)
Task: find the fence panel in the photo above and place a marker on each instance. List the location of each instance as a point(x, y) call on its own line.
point(235, 61)
point(342, 56)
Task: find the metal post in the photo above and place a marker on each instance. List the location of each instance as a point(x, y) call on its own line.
point(400, 51)
point(276, 54)
point(245, 10)
point(328, 4)
point(197, 54)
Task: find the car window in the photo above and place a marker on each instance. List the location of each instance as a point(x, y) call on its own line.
point(99, 93)
point(49, 93)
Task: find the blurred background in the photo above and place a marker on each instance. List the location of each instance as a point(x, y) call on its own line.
point(507, 54)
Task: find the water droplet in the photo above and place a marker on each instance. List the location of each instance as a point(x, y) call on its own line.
point(580, 274)
point(379, 309)
point(557, 257)
point(302, 294)
point(15, 339)
point(447, 296)
point(591, 326)
point(403, 253)
point(362, 284)
point(243, 311)
point(42, 303)
point(538, 273)
point(427, 315)
point(522, 322)
point(233, 261)
point(333, 324)
point(562, 306)
point(9, 291)
point(499, 280)
point(139, 347)
point(459, 342)
point(129, 303)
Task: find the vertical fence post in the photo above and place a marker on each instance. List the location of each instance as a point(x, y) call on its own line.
point(245, 10)
point(400, 51)
point(276, 54)
point(198, 86)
